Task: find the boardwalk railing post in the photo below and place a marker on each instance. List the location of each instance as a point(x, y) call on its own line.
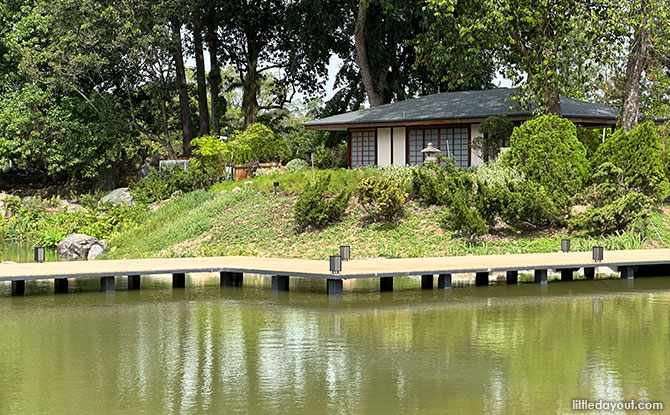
point(540, 276)
point(280, 282)
point(512, 277)
point(386, 284)
point(334, 287)
point(107, 284)
point(60, 285)
point(179, 280)
point(444, 282)
point(133, 282)
point(18, 287)
point(482, 278)
point(427, 282)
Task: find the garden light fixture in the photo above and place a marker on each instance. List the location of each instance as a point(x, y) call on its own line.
point(345, 252)
point(335, 264)
point(565, 245)
point(598, 253)
point(40, 253)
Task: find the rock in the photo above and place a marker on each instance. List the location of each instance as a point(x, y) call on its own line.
point(145, 169)
point(78, 245)
point(119, 196)
point(237, 189)
point(577, 209)
point(95, 252)
point(76, 208)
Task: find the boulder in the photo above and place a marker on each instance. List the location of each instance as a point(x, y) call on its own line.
point(95, 251)
point(119, 196)
point(78, 245)
point(76, 208)
point(145, 170)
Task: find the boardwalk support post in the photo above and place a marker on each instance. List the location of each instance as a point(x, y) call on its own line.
point(540, 276)
point(482, 278)
point(627, 273)
point(427, 282)
point(590, 273)
point(60, 285)
point(18, 287)
point(444, 282)
point(386, 284)
point(231, 279)
point(512, 277)
point(334, 287)
point(280, 283)
point(133, 282)
point(107, 284)
point(178, 280)
point(567, 274)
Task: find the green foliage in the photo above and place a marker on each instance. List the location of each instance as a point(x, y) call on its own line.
point(496, 132)
point(383, 198)
point(296, 165)
point(208, 156)
point(256, 143)
point(615, 216)
point(638, 153)
point(331, 157)
point(313, 209)
point(590, 138)
point(449, 186)
point(546, 151)
point(160, 185)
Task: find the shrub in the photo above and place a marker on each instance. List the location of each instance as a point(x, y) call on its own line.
point(496, 132)
point(331, 157)
point(615, 216)
point(313, 209)
point(208, 156)
point(382, 198)
point(546, 151)
point(296, 165)
point(256, 143)
point(160, 185)
point(590, 138)
point(638, 154)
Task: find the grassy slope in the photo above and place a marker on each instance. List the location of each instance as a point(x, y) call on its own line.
point(259, 223)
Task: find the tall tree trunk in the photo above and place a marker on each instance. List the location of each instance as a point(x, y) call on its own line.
point(373, 87)
point(186, 124)
point(203, 111)
point(214, 78)
point(631, 92)
point(554, 101)
point(250, 88)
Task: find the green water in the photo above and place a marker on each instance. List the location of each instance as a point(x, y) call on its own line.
point(206, 349)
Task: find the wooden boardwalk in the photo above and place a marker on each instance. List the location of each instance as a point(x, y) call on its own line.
point(372, 268)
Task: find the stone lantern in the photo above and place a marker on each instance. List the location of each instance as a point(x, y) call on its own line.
point(431, 153)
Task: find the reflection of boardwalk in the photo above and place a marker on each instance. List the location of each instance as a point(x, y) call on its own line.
point(233, 268)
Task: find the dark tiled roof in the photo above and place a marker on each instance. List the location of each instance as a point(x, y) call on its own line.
point(460, 105)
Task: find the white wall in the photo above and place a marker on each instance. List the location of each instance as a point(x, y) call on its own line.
point(383, 146)
point(474, 157)
point(399, 152)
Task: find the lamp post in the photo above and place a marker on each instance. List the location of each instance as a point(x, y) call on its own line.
point(40, 254)
point(565, 245)
point(275, 184)
point(335, 264)
point(598, 253)
point(310, 154)
point(345, 252)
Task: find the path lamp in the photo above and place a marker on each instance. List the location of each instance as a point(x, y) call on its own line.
point(276, 185)
point(40, 253)
point(430, 153)
point(598, 253)
point(335, 264)
point(565, 245)
point(310, 154)
point(345, 252)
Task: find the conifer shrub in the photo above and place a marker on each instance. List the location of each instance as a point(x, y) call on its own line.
point(314, 209)
point(638, 153)
point(546, 150)
point(382, 198)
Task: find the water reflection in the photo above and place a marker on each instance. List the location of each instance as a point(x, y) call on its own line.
point(206, 349)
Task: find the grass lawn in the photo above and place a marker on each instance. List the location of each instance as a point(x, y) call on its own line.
point(256, 222)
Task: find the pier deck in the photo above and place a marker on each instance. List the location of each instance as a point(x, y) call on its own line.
point(626, 261)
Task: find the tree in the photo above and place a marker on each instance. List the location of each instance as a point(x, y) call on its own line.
point(525, 37)
point(184, 109)
point(203, 111)
point(496, 132)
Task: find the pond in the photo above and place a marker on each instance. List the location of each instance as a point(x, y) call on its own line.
point(206, 349)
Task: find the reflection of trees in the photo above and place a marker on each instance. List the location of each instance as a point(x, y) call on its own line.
point(250, 356)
